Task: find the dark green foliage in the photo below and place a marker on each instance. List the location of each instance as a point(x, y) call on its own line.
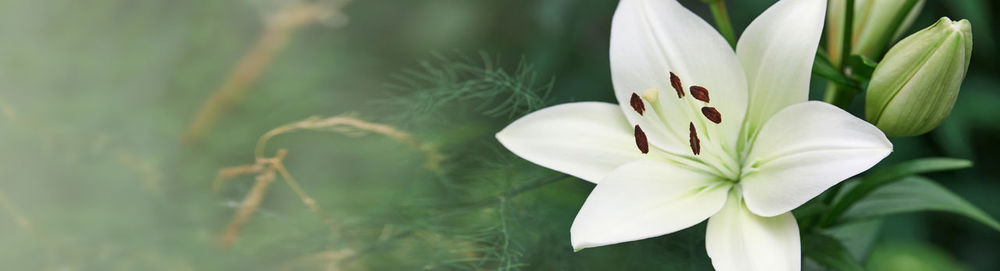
point(445, 86)
point(828, 252)
point(915, 194)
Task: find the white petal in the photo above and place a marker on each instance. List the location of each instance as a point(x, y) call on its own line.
point(805, 149)
point(646, 199)
point(587, 140)
point(777, 52)
point(737, 239)
point(652, 38)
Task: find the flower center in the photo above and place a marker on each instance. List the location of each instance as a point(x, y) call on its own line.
point(719, 160)
point(697, 92)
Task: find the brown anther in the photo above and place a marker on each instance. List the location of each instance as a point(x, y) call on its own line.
point(676, 83)
point(637, 104)
point(712, 114)
point(640, 140)
point(695, 143)
point(700, 93)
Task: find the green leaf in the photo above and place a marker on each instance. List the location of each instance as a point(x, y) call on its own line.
point(859, 238)
point(888, 175)
point(915, 194)
point(828, 252)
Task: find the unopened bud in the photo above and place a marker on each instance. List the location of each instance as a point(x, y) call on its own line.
point(914, 88)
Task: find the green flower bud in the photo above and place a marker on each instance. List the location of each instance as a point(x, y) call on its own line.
point(877, 23)
point(914, 88)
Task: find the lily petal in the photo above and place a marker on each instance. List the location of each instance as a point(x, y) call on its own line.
point(805, 149)
point(644, 199)
point(777, 52)
point(737, 239)
point(587, 139)
point(652, 39)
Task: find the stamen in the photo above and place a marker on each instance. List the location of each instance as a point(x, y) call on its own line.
point(712, 114)
point(676, 83)
point(700, 93)
point(640, 140)
point(695, 143)
point(637, 104)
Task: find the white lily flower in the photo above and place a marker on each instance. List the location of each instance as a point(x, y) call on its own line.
point(703, 132)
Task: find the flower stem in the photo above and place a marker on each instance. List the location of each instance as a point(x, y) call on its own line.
point(836, 95)
point(271, 41)
point(722, 22)
point(848, 28)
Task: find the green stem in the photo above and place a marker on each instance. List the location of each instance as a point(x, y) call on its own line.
point(836, 95)
point(722, 22)
point(845, 47)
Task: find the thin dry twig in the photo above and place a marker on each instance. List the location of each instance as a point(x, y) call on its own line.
point(250, 203)
point(230, 173)
point(349, 125)
point(265, 172)
point(266, 168)
point(274, 37)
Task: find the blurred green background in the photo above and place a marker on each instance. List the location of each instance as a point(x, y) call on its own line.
point(96, 97)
